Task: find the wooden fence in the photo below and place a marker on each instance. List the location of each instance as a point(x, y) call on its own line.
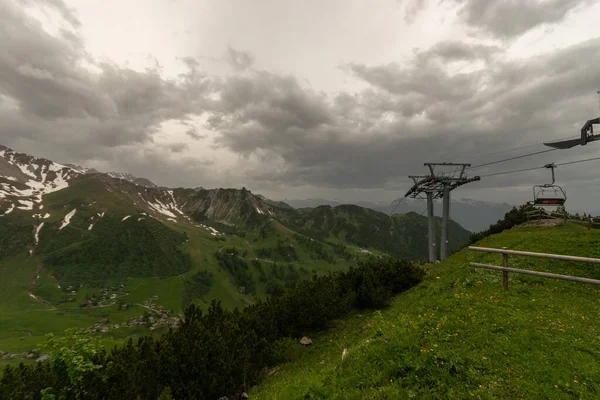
point(505, 268)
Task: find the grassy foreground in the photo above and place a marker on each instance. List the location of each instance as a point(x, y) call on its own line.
point(460, 335)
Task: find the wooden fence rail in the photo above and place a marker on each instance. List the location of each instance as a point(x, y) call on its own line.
point(505, 268)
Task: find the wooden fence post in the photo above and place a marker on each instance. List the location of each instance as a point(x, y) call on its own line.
point(505, 273)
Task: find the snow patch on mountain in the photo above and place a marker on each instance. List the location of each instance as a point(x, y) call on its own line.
point(161, 208)
point(67, 219)
point(90, 227)
point(10, 209)
point(125, 218)
point(173, 204)
point(26, 205)
point(37, 233)
point(211, 230)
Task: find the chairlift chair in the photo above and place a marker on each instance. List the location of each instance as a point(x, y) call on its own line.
point(549, 194)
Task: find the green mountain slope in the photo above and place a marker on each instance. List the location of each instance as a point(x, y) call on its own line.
point(403, 236)
point(460, 335)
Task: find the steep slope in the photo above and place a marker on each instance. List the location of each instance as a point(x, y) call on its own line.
point(460, 335)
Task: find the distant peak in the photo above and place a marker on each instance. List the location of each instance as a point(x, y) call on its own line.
point(130, 178)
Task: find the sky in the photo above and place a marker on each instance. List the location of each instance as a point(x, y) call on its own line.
point(342, 99)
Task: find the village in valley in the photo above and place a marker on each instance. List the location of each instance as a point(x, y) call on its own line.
point(155, 316)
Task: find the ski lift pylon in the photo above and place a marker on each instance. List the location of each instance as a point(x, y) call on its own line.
point(549, 194)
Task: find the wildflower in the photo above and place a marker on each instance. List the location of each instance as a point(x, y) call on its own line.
point(484, 358)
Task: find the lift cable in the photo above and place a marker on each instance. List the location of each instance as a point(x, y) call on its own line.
point(534, 168)
point(396, 206)
point(511, 158)
point(518, 148)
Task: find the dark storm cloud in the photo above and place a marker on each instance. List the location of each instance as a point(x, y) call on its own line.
point(178, 147)
point(412, 9)
point(415, 113)
point(59, 6)
point(411, 113)
point(239, 60)
point(61, 102)
point(505, 19)
point(267, 110)
point(193, 133)
point(510, 18)
point(449, 50)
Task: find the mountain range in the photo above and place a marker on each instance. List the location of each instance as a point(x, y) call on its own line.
point(78, 247)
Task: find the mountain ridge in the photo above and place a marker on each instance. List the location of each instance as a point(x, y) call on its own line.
point(53, 199)
point(474, 215)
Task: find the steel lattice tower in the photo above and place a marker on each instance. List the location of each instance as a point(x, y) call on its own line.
point(438, 185)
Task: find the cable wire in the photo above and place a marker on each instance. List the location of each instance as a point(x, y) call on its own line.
point(520, 147)
point(534, 168)
point(396, 206)
point(512, 158)
point(502, 151)
point(578, 161)
point(510, 172)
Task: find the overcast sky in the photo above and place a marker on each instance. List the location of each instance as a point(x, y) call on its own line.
point(339, 99)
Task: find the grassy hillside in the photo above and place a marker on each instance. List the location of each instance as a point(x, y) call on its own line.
point(460, 335)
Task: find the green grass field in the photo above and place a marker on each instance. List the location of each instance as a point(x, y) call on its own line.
point(459, 335)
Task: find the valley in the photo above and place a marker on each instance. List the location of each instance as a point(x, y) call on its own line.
point(122, 257)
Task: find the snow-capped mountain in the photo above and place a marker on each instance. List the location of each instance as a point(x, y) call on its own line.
point(25, 179)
